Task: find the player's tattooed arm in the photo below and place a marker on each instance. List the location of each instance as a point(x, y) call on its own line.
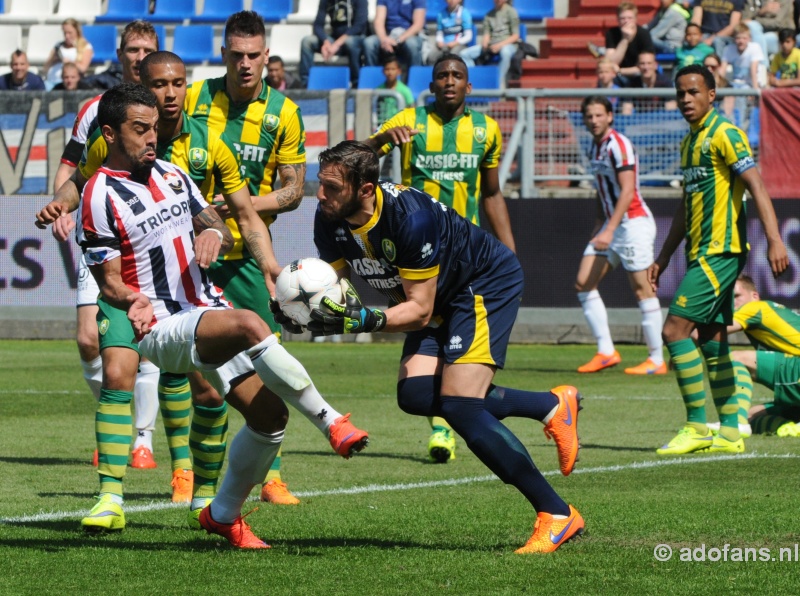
point(289, 196)
point(208, 247)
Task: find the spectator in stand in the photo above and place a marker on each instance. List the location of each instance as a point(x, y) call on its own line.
point(744, 57)
point(70, 79)
point(624, 43)
point(74, 48)
point(19, 79)
point(387, 106)
point(278, 78)
point(765, 18)
point(606, 76)
point(453, 30)
point(668, 27)
point(649, 78)
point(693, 50)
point(783, 71)
point(399, 29)
point(348, 22)
point(500, 37)
point(717, 19)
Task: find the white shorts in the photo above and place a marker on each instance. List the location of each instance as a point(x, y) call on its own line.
point(88, 291)
point(633, 245)
point(170, 345)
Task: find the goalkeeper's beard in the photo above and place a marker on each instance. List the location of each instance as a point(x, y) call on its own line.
point(345, 210)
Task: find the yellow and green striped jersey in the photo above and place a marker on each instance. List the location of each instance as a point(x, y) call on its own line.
point(208, 157)
point(445, 158)
point(770, 326)
point(266, 131)
point(713, 155)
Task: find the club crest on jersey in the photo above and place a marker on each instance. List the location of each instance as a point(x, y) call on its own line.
point(174, 182)
point(271, 122)
point(479, 133)
point(706, 147)
point(389, 249)
point(103, 326)
point(198, 158)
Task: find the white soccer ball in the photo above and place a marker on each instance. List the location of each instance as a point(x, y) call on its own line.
point(301, 286)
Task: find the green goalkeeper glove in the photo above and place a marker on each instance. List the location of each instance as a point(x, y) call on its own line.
point(351, 317)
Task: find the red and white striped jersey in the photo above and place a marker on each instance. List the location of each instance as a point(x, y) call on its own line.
point(150, 228)
point(84, 126)
point(614, 154)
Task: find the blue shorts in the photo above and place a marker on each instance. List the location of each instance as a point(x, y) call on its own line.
point(476, 325)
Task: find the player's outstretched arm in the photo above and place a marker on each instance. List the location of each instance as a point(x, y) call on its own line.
point(776, 250)
point(289, 196)
point(65, 201)
point(397, 135)
point(494, 204)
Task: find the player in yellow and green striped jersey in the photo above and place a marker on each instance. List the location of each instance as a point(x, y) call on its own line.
point(717, 168)
point(267, 130)
point(452, 153)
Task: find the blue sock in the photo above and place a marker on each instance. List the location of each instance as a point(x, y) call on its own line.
point(501, 451)
point(419, 396)
point(502, 402)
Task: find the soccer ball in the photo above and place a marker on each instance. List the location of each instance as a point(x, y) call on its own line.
point(301, 286)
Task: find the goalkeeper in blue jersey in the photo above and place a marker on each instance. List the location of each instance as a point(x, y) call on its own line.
point(456, 291)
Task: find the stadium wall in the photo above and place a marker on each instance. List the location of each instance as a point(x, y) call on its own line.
point(38, 275)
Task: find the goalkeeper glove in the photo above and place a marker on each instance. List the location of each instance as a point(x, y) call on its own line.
point(283, 320)
point(351, 317)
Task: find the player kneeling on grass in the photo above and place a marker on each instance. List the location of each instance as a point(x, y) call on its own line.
point(457, 290)
point(148, 237)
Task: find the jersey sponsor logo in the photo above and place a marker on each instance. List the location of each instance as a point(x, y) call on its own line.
point(271, 122)
point(438, 161)
point(427, 250)
point(743, 165)
point(693, 174)
point(385, 283)
point(250, 152)
point(389, 249)
point(165, 215)
point(365, 267)
point(173, 181)
point(135, 205)
point(198, 158)
point(479, 133)
point(455, 342)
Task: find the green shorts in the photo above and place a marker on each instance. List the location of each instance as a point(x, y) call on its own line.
point(243, 285)
point(781, 373)
point(705, 295)
point(114, 328)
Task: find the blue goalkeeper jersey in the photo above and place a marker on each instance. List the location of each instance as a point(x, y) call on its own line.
point(410, 236)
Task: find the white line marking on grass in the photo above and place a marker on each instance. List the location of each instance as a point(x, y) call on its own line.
point(39, 392)
point(377, 488)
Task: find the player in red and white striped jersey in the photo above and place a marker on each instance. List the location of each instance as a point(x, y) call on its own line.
point(625, 233)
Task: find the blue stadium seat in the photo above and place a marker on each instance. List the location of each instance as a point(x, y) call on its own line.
point(104, 41)
point(274, 11)
point(173, 11)
point(218, 11)
point(754, 127)
point(194, 43)
point(124, 11)
point(534, 10)
point(161, 32)
point(433, 10)
point(325, 78)
point(479, 8)
point(485, 77)
point(419, 79)
point(370, 77)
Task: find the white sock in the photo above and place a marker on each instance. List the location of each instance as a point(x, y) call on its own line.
point(651, 328)
point(93, 375)
point(595, 312)
point(144, 438)
point(145, 397)
point(249, 458)
point(114, 498)
point(282, 374)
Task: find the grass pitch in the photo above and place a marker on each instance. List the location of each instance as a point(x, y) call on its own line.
point(387, 521)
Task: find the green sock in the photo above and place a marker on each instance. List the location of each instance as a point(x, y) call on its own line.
point(274, 472)
point(113, 428)
point(723, 387)
point(744, 391)
point(208, 440)
point(438, 423)
point(175, 398)
point(768, 424)
point(689, 371)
